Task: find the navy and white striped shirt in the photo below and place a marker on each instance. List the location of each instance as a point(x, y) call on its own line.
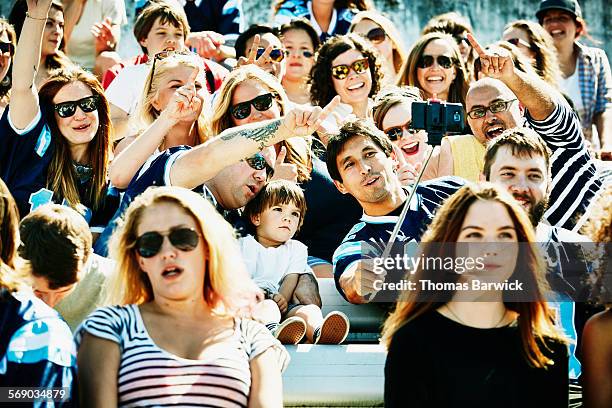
point(151, 376)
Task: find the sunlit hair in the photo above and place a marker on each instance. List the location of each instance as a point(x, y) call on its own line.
point(322, 90)
point(146, 113)
point(541, 44)
point(9, 240)
point(277, 192)
point(520, 61)
point(399, 51)
point(456, 25)
point(459, 86)
point(227, 289)
point(391, 96)
point(338, 4)
point(166, 13)
point(62, 177)
point(5, 83)
point(536, 319)
point(222, 119)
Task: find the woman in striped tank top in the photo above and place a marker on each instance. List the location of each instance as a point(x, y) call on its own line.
point(179, 337)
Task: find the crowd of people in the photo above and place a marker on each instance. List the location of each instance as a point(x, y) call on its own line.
point(165, 219)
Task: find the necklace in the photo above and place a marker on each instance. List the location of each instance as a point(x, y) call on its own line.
point(465, 324)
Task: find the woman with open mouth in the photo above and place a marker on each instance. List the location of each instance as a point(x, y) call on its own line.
point(183, 302)
point(55, 142)
point(436, 67)
point(392, 113)
point(383, 35)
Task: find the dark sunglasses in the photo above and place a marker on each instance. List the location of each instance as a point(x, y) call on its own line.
point(7, 47)
point(376, 35)
point(396, 132)
point(305, 53)
point(262, 103)
point(185, 239)
point(68, 109)
point(341, 71)
point(258, 162)
point(517, 41)
point(427, 61)
point(276, 55)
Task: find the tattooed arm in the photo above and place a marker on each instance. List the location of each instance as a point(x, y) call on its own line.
point(203, 162)
point(24, 96)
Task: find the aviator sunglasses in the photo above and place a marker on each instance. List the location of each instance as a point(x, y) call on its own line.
point(68, 109)
point(396, 132)
point(258, 162)
point(262, 103)
point(427, 61)
point(341, 71)
point(185, 239)
point(276, 54)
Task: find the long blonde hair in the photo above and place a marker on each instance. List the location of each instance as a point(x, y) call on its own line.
point(146, 113)
point(227, 287)
point(536, 319)
point(298, 149)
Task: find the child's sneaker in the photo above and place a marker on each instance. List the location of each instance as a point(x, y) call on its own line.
point(291, 331)
point(334, 329)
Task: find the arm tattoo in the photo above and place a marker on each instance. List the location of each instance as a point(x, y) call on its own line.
point(261, 135)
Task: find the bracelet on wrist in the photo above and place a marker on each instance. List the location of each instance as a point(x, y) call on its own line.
point(28, 15)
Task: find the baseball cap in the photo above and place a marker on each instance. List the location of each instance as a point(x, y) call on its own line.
point(571, 6)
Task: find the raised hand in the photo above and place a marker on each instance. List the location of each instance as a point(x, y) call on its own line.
point(185, 103)
point(496, 64)
point(252, 56)
point(38, 9)
point(104, 37)
point(282, 170)
point(206, 43)
point(304, 121)
point(406, 172)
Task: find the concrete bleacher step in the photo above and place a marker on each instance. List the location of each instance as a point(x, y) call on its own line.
point(335, 376)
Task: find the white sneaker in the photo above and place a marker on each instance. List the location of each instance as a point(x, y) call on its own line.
point(334, 329)
point(291, 331)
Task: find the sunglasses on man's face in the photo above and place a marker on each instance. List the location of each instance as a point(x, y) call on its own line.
point(262, 103)
point(7, 48)
point(427, 61)
point(258, 162)
point(276, 54)
point(376, 35)
point(342, 71)
point(185, 239)
point(68, 109)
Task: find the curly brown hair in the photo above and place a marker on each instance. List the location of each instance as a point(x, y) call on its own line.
point(321, 93)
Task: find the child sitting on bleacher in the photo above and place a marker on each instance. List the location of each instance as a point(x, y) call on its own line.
point(275, 262)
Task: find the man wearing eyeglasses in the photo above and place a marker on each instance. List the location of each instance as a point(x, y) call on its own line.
point(509, 98)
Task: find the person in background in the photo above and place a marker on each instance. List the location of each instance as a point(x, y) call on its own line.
point(383, 35)
point(586, 74)
point(275, 262)
point(596, 347)
point(8, 42)
point(459, 27)
point(536, 44)
point(36, 345)
point(93, 30)
point(354, 69)
point(435, 66)
point(328, 17)
point(300, 42)
point(183, 301)
point(500, 339)
point(56, 247)
point(53, 47)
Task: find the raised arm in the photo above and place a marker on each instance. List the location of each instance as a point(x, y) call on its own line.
point(24, 96)
point(533, 93)
point(204, 161)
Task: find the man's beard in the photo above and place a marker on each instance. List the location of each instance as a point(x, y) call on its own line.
point(536, 213)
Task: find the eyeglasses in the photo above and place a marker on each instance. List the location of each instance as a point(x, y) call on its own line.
point(166, 54)
point(517, 41)
point(276, 55)
point(341, 71)
point(495, 107)
point(376, 35)
point(68, 109)
point(427, 61)
point(262, 103)
point(185, 239)
point(305, 53)
point(7, 47)
point(258, 162)
point(396, 132)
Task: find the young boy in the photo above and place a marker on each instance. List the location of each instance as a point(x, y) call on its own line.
point(275, 262)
